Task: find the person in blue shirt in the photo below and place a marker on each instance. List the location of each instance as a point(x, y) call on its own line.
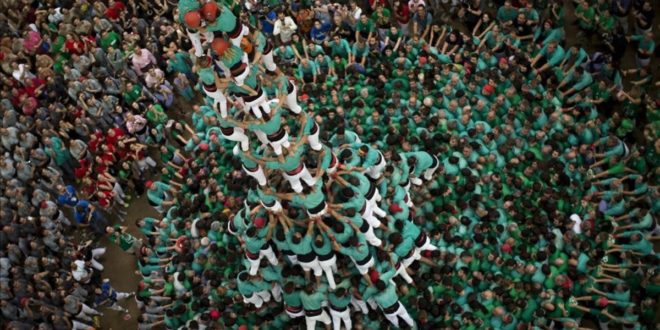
point(67, 196)
point(319, 32)
point(107, 296)
point(86, 215)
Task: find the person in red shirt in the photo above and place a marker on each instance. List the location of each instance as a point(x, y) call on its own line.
point(114, 10)
point(114, 135)
point(401, 13)
point(73, 45)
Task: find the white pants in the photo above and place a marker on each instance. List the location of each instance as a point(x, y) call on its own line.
point(276, 145)
point(276, 292)
point(239, 79)
point(375, 208)
point(77, 325)
point(338, 317)
point(291, 100)
point(403, 313)
point(258, 298)
point(219, 101)
point(416, 256)
point(145, 163)
point(239, 136)
point(86, 313)
point(313, 266)
point(293, 259)
point(294, 180)
point(311, 320)
point(268, 62)
point(368, 216)
point(295, 315)
point(276, 208)
point(359, 305)
point(402, 271)
point(268, 254)
point(428, 174)
point(95, 254)
point(196, 41)
point(427, 246)
point(244, 31)
point(329, 267)
point(258, 105)
point(371, 238)
point(313, 139)
point(375, 171)
point(258, 175)
point(363, 269)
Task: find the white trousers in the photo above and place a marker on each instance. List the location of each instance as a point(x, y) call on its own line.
point(371, 238)
point(257, 298)
point(239, 136)
point(339, 317)
point(403, 313)
point(219, 101)
point(363, 269)
point(276, 145)
point(313, 139)
point(275, 208)
point(294, 180)
point(375, 171)
point(310, 321)
point(268, 62)
point(402, 271)
point(77, 325)
point(291, 100)
point(276, 292)
point(196, 41)
point(95, 254)
point(428, 174)
point(258, 175)
point(427, 246)
point(329, 267)
point(244, 31)
point(314, 266)
point(268, 254)
point(240, 79)
point(258, 105)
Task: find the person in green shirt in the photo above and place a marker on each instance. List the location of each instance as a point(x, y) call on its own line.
point(338, 302)
point(388, 301)
point(127, 242)
point(586, 16)
point(313, 299)
point(364, 28)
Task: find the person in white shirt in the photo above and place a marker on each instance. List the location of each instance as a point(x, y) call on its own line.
point(80, 272)
point(284, 27)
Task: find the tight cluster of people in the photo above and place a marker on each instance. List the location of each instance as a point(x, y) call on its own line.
point(406, 169)
point(84, 95)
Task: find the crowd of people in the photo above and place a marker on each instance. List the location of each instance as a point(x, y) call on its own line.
point(451, 164)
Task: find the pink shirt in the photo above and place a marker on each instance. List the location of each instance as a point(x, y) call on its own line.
point(144, 59)
point(31, 41)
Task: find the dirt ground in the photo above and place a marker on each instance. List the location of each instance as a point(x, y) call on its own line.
point(120, 268)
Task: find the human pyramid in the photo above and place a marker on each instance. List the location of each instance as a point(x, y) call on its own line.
point(314, 203)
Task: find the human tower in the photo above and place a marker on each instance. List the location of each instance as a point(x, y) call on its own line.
point(313, 205)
